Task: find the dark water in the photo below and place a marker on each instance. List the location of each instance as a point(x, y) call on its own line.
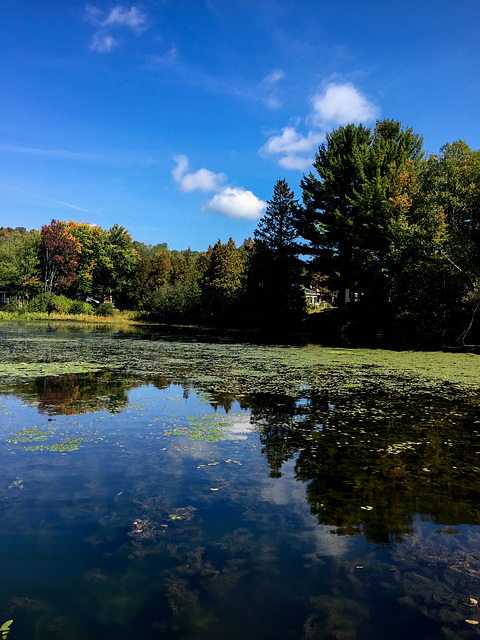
point(133, 507)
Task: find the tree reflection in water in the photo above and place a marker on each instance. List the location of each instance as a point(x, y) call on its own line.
point(372, 467)
point(400, 456)
point(370, 464)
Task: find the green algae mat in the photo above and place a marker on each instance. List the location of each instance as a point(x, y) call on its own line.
point(231, 366)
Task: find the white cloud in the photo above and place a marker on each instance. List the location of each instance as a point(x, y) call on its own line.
point(294, 149)
point(201, 180)
point(299, 163)
point(233, 202)
point(103, 42)
point(92, 14)
point(339, 104)
point(119, 16)
point(290, 141)
point(342, 104)
point(236, 202)
point(182, 166)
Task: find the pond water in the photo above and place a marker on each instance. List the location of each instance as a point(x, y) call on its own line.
point(181, 487)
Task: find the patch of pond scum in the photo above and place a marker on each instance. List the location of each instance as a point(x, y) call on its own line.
point(270, 492)
point(238, 368)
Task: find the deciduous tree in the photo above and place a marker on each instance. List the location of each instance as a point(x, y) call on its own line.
point(223, 281)
point(60, 252)
point(20, 270)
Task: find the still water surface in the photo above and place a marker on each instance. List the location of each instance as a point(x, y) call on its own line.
point(132, 506)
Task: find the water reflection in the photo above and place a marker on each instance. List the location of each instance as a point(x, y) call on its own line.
point(368, 464)
point(74, 393)
point(371, 464)
point(185, 513)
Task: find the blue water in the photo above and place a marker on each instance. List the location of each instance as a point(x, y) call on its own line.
point(151, 528)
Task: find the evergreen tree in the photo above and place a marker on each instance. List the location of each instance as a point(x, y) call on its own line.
point(276, 229)
point(347, 207)
point(329, 221)
point(372, 225)
point(275, 293)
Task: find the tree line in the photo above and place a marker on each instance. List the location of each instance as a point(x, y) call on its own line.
point(390, 231)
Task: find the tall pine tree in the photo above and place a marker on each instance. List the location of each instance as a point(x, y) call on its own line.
point(275, 274)
point(276, 230)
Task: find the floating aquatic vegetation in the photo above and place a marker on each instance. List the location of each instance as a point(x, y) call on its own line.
point(69, 444)
point(5, 629)
point(246, 368)
point(29, 435)
point(205, 429)
point(36, 435)
point(182, 513)
point(215, 428)
point(28, 370)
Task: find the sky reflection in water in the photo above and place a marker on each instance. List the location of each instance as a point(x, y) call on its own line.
point(134, 510)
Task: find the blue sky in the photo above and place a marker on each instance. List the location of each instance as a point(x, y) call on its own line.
point(175, 118)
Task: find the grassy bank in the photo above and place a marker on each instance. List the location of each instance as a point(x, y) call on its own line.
point(119, 317)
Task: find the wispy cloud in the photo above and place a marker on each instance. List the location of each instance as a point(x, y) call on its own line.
point(338, 104)
point(232, 202)
point(113, 156)
point(119, 18)
point(37, 195)
point(53, 153)
point(269, 84)
point(168, 58)
point(274, 77)
point(132, 18)
point(261, 91)
point(103, 43)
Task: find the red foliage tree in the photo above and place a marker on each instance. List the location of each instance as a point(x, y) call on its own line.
point(60, 252)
